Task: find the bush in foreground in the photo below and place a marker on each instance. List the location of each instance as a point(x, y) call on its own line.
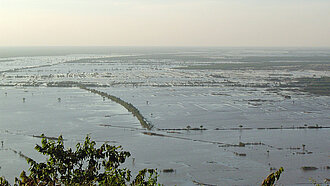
point(272, 178)
point(87, 165)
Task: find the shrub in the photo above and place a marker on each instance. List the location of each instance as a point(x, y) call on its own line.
point(87, 165)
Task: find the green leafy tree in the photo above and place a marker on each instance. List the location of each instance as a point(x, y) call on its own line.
point(87, 165)
point(3, 182)
point(272, 178)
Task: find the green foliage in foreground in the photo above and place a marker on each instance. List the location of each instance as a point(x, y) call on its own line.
point(272, 178)
point(87, 165)
point(3, 182)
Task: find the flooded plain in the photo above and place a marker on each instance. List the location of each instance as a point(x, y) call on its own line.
point(219, 116)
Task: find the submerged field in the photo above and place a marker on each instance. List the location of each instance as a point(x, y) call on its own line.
point(219, 116)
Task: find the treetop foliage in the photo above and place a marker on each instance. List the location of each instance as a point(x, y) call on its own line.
point(87, 165)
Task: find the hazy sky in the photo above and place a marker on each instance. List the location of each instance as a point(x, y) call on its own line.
point(165, 22)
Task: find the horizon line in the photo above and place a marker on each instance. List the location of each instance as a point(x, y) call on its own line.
point(160, 46)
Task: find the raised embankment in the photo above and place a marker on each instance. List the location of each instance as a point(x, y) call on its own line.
point(128, 106)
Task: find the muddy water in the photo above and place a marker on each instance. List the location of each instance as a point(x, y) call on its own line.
point(247, 130)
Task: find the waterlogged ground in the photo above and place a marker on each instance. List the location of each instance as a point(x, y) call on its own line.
point(244, 121)
point(220, 158)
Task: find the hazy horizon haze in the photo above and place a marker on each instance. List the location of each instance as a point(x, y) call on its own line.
point(202, 23)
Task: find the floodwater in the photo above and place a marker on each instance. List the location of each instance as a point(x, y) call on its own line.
point(38, 95)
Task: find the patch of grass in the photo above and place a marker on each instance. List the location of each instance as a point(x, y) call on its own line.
point(319, 66)
point(308, 168)
point(168, 170)
point(318, 86)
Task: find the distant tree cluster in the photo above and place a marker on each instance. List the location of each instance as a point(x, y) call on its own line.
point(125, 104)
